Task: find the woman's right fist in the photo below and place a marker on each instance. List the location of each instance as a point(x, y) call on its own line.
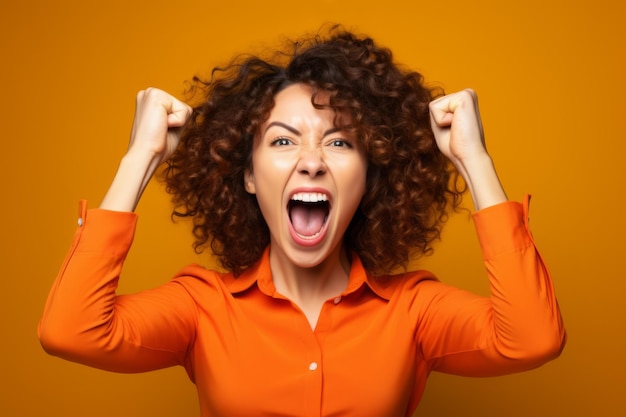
point(158, 120)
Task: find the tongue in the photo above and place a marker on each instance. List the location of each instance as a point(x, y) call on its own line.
point(307, 219)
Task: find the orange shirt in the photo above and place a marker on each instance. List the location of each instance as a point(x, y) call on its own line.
point(251, 352)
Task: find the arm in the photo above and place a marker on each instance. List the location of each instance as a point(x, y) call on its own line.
point(459, 134)
point(519, 326)
point(154, 137)
point(84, 320)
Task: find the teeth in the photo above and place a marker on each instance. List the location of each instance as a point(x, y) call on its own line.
point(309, 197)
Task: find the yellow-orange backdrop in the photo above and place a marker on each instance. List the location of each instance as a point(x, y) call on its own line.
point(550, 77)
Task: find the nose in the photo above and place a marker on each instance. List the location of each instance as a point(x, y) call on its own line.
point(311, 162)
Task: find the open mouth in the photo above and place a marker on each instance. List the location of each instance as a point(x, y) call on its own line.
point(308, 213)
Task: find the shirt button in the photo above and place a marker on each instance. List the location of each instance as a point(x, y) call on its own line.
point(80, 221)
point(337, 300)
point(312, 366)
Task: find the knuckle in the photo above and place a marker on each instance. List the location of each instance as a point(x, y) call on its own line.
point(470, 92)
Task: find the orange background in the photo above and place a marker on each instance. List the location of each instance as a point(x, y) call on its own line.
point(550, 77)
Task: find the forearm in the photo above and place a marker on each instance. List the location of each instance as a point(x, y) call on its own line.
point(82, 299)
point(482, 181)
point(518, 327)
point(132, 177)
point(85, 321)
point(527, 323)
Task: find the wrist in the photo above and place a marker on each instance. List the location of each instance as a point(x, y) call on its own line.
point(141, 159)
point(132, 177)
point(482, 180)
point(476, 163)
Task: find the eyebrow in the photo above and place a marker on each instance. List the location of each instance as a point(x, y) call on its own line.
point(296, 131)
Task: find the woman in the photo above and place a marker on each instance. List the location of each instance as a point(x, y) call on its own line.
point(314, 175)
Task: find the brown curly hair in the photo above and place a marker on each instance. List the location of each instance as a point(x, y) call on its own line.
point(410, 183)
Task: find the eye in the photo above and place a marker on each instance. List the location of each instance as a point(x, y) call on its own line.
point(340, 143)
point(281, 142)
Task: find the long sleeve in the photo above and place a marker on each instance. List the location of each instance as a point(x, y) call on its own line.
point(518, 327)
point(85, 321)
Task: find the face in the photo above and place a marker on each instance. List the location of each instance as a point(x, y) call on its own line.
point(308, 177)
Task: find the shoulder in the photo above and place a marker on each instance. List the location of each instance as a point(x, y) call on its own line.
point(199, 281)
point(196, 276)
point(401, 285)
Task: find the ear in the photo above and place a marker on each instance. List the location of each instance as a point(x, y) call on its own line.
point(248, 178)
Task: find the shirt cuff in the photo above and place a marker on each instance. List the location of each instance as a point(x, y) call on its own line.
point(104, 231)
point(503, 228)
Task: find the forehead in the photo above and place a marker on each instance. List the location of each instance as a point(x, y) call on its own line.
point(295, 104)
point(299, 92)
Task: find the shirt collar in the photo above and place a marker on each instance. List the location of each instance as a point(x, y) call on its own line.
point(261, 274)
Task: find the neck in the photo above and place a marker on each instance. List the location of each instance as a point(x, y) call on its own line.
point(314, 285)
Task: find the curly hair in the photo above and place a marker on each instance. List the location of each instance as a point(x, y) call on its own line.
point(411, 185)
